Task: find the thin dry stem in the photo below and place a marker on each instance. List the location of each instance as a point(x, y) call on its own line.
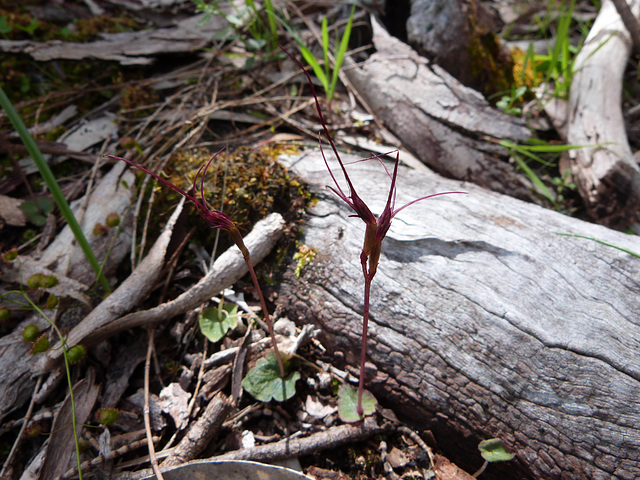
point(147, 419)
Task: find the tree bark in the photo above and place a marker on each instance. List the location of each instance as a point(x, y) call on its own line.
point(484, 323)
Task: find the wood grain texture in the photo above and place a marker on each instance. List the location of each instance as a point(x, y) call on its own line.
point(484, 321)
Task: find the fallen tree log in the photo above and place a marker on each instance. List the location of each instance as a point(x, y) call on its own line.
point(607, 175)
point(442, 122)
point(484, 322)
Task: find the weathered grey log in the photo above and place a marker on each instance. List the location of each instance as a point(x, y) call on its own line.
point(607, 175)
point(442, 122)
point(485, 323)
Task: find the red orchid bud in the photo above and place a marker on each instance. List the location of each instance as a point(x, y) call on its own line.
point(214, 218)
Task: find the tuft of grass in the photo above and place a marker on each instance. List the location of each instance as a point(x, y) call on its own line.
point(329, 76)
point(535, 151)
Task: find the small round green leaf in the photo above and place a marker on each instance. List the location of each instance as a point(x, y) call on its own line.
point(37, 211)
point(108, 416)
point(216, 322)
point(34, 280)
point(348, 404)
point(30, 333)
point(113, 220)
point(263, 381)
point(11, 255)
point(493, 450)
point(48, 281)
point(75, 354)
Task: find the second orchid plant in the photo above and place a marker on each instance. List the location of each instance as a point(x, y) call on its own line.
point(218, 219)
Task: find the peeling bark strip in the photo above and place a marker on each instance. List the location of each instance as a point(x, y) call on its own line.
point(607, 175)
point(127, 48)
point(440, 120)
point(484, 322)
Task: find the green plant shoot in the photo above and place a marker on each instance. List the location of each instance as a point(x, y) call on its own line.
point(327, 76)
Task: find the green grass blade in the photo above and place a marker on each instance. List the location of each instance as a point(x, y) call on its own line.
point(535, 180)
point(315, 65)
point(52, 185)
point(622, 249)
point(325, 46)
point(341, 51)
point(273, 25)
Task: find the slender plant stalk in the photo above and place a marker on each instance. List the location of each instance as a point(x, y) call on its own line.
point(74, 421)
point(52, 185)
point(265, 311)
point(365, 329)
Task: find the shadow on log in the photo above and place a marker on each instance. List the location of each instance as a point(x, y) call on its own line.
point(485, 323)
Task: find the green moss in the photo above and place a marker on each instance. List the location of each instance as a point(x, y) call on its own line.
point(491, 67)
point(136, 100)
point(247, 184)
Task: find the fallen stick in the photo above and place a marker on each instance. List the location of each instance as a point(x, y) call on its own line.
point(607, 175)
point(200, 434)
point(297, 446)
point(227, 270)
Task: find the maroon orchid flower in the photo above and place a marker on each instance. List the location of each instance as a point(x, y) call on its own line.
point(217, 219)
point(214, 218)
point(375, 230)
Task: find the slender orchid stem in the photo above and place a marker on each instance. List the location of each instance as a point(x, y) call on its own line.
point(365, 330)
point(267, 318)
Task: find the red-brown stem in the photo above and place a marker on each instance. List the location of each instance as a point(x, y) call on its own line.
point(365, 328)
point(235, 234)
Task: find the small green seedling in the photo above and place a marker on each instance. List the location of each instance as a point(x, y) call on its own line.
point(108, 416)
point(30, 333)
point(507, 103)
point(41, 344)
point(76, 354)
point(493, 450)
point(327, 76)
point(11, 255)
point(37, 211)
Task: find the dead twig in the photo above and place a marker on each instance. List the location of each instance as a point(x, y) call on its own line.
point(293, 447)
point(7, 464)
point(102, 459)
point(147, 420)
point(201, 433)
